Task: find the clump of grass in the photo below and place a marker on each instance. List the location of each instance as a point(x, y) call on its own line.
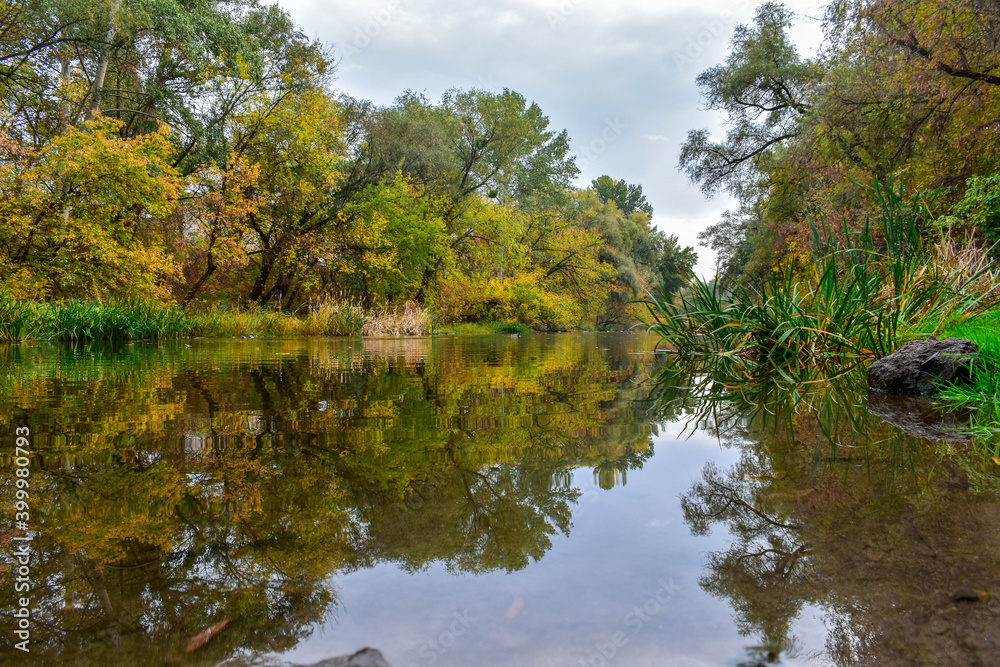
point(134, 318)
point(333, 317)
point(982, 394)
point(330, 317)
point(24, 320)
point(866, 292)
point(412, 320)
point(218, 322)
point(131, 318)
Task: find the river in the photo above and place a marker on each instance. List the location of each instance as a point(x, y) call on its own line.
point(479, 500)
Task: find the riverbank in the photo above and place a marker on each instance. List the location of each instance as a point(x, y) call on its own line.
point(983, 394)
point(138, 319)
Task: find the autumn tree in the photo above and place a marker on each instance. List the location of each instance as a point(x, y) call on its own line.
point(72, 218)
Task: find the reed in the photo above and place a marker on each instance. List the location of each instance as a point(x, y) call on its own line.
point(328, 317)
point(24, 320)
point(867, 292)
point(130, 318)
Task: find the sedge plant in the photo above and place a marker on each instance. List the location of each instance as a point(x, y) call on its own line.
point(867, 291)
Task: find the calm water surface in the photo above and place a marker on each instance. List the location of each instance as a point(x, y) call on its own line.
point(480, 500)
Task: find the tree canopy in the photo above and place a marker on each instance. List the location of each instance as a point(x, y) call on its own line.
point(195, 152)
point(904, 90)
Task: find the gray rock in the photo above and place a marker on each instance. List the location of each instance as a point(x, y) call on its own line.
point(921, 366)
point(366, 657)
point(920, 417)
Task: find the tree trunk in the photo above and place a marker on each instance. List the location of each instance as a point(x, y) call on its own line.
point(97, 87)
point(209, 270)
point(266, 266)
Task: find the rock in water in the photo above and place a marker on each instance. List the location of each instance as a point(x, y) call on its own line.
point(921, 366)
point(366, 657)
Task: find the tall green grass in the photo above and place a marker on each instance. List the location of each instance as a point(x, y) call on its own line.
point(868, 290)
point(24, 320)
point(129, 318)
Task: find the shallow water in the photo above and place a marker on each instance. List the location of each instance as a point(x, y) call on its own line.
point(480, 500)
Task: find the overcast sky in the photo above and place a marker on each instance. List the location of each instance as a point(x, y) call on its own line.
point(619, 76)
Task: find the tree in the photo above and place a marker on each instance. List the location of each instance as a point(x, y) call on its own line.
point(295, 143)
point(764, 89)
point(503, 148)
point(73, 212)
point(675, 264)
point(628, 198)
point(912, 93)
point(391, 235)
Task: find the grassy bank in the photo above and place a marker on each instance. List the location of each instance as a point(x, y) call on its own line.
point(138, 319)
point(486, 328)
point(983, 394)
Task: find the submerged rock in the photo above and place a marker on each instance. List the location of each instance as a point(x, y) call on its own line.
point(920, 417)
point(921, 366)
point(366, 657)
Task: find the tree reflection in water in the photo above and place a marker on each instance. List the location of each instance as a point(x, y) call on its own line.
point(174, 488)
point(893, 538)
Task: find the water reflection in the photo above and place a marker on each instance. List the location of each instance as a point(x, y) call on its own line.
point(256, 483)
point(174, 488)
point(829, 507)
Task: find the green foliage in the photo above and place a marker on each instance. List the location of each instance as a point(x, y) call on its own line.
point(512, 328)
point(675, 265)
point(522, 299)
point(628, 198)
point(633, 252)
point(983, 394)
point(864, 293)
point(980, 207)
point(23, 320)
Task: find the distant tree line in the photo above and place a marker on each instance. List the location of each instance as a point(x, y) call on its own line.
point(196, 152)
